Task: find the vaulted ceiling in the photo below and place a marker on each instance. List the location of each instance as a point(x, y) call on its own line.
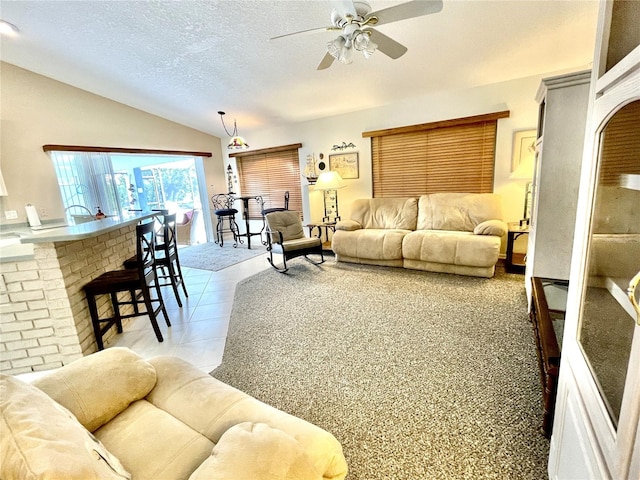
point(185, 60)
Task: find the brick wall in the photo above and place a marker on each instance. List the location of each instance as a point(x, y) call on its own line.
point(44, 318)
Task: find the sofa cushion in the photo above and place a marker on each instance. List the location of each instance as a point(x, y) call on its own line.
point(40, 439)
point(370, 243)
point(152, 444)
point(385, 213)
point(98, 387)
point(211, 407)
point(258, 452)
point(457, 211)
point(455, 248)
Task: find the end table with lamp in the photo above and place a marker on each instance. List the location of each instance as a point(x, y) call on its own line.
point(516, 229)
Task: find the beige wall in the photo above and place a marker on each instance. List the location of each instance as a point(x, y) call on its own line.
point(35, 111)
point(517, 96)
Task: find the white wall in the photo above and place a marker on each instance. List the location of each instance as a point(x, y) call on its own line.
point(517, 96)
point(36, 111)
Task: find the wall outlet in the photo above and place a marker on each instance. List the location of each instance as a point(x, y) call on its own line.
point(44, 213)
point(11, 214)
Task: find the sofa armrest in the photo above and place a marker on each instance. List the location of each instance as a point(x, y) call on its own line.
point(496, 228)
point(98, 387)
point(256, 451)
point(212, 407)
point(348, 225)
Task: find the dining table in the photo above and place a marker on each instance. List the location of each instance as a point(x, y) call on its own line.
point(245, 199)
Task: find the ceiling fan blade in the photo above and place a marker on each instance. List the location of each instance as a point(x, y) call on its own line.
point(326, 62)
point(415, 8)
point(387, 45)
point(306, 32)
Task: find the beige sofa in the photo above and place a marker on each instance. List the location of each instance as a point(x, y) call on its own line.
point(159, 419)
point(443, 232)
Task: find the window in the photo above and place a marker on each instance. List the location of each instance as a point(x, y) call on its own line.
point(117, 180)
point(449, 156)
point(270, 173)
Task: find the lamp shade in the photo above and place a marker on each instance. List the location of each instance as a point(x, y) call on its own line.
point(330, 180)
point(524, 171)
point(237, 143)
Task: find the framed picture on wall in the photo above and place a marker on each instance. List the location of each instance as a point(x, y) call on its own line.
point(346, 164)
point(524, 149)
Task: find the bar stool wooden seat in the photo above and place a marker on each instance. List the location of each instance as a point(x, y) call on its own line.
point(168, 268)
point(142, 279)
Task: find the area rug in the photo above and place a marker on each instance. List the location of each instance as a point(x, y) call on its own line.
point(211, 256)
point(418, 375)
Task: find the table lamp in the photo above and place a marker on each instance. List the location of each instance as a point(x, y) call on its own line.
point(524, 171)
point(329, 182)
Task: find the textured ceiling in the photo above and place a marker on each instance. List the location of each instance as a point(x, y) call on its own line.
point(185, 60)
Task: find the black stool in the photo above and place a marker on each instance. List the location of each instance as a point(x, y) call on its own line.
point(167, 260)
point(116, 281)
point(223, 208)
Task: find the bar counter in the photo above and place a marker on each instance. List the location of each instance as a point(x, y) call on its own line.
point(45, 321)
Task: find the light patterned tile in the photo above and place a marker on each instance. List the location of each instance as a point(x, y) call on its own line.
point(205, 330)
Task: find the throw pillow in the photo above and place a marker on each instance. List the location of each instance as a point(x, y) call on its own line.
point(40, 439)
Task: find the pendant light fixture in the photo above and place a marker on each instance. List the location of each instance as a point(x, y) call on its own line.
point(236, 142)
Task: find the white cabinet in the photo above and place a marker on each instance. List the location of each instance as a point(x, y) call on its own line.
point(596, 432)
point(563, 102)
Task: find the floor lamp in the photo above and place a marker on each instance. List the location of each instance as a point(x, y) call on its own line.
point(329, 183)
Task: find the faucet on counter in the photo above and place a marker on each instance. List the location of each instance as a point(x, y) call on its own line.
point(80, 218)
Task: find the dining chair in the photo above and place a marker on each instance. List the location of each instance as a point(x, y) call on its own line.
point(168, 268)
point(142, 279)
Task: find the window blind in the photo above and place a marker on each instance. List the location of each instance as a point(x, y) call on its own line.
point(451, 156)
point(270, 173)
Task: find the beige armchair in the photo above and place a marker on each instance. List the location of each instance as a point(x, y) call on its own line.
point(183, 228)
point(285, 236)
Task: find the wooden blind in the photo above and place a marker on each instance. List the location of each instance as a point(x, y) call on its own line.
point(621, 145)
point(270, 173)
point(446, 156)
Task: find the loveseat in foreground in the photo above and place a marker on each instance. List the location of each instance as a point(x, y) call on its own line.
point(157, 419)
point(442, 232)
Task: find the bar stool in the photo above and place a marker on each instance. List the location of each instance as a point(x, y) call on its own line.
point(117, 281)
point(223, 208)
point(167, 260)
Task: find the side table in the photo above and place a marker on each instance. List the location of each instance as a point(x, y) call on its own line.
point(515, 230)
point(323, 227)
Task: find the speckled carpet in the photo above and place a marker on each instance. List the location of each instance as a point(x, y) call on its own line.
point(419, 375)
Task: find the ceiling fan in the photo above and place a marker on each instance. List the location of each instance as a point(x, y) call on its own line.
point(354, 17)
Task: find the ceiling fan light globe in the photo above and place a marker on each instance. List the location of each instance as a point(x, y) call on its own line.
point(371, 48)
point(346, 55)
point(335, 46)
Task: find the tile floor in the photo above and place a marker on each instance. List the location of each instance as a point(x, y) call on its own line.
point(198, 330)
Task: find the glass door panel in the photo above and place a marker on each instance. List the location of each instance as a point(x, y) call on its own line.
point(608, 317)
